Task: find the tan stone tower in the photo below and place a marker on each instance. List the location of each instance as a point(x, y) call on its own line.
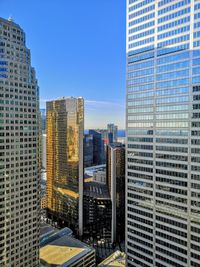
point(19, 151)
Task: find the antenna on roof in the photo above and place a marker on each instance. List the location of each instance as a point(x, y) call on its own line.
point(10, 19)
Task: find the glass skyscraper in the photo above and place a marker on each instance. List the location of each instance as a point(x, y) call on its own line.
point(65, 129)
point(19, 151)
point(163, 133)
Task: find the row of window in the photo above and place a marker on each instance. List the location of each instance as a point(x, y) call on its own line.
point(165, 100)
point(142, 87)
point(141, 56)
point(142, 27)
point(176, 124)
point(139, 73)
point(141, 11)
point(174, 24)
point(174, 15)
point(174, 66)
point(140, 35)
point(172, 75)
point(141, 95)
point(168, 132)
point(174, 40)
point(146, 79)
point(173, 7)
point(140, 117)
point(138, 5)
point(142, 42)
point(142, 19)
point(141, 110)
point(173, 32)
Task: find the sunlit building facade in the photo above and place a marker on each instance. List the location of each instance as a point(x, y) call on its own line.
point(65, 129)
point(163, 133)
point(19, 151)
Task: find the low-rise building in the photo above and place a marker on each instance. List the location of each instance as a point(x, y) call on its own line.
point(97, 211)
point(99, 177)
point(117, 259)
point(59, 248)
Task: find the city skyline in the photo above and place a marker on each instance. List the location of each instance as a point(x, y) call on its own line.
point(77, 62)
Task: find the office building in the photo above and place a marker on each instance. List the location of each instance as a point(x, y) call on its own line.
point(59, 248)
point(112, 133)
point(65, 128)
point(98, 148)
point(19, 150)
point(163, 133)
point(43, 140)
point(97, 211)
point(43, 119)
point(88, 150)
point(110, 138)
point(115, 179)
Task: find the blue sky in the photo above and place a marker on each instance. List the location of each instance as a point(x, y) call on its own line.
point(77, 49)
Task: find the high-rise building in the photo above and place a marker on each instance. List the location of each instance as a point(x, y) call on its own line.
point(43, 141)
point(65, 131)
point(98, 147)
point(88, 150)
point(163, 133)
point(59, 248)
point(19, 151)
point(112, 133)
point(43, 119)
point(115, 179)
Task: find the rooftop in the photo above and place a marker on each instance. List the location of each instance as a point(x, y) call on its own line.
point(117, 259)
point(96, 190)
point(63, 252)
point(68, 192)
point(10, 21)
point(89, 171)
point(117, 145)
point(49, 233)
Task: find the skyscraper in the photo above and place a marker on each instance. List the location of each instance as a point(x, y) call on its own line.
point(65, 129)
point(115, 176)
point(19, 151)
point(43, 120)
point(112, 133)
point(88, 150)
point(98, 147)
point(163, 133)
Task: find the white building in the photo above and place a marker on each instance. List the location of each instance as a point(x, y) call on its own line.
point(163, 133)
point(19, 151)
point(99, 177)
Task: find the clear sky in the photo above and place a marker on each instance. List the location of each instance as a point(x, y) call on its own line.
point(77, 49)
